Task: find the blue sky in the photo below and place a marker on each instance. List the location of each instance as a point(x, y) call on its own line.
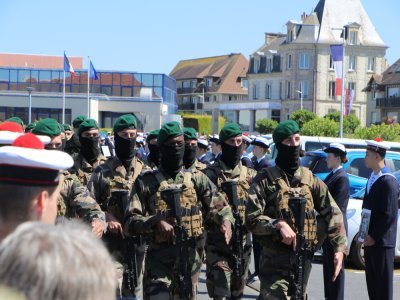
point(152, 36)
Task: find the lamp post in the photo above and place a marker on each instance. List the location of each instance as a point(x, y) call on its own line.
point(301, 95)
point(30, 90)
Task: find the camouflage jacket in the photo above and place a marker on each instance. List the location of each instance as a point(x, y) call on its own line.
point(262, 198)
point(141, 211)
point(113, 175)
point(198, 166)
point(76, 201)
point(83, 169)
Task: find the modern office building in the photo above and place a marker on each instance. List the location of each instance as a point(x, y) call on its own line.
point(151, 97)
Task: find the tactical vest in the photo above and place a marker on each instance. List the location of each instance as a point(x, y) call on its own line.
point(243, 188)
point(119, 187)
point(83, 176)
point(278, 207)
point(191, 214)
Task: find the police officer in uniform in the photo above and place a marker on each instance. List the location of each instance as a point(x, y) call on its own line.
point(269, 217)
point(221, 283)
point(339, 187)
point(89, 156)
point(381, 198)
point(149, 214)
point(111, 184)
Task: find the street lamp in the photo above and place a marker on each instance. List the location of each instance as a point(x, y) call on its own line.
point(301, 95)
point(30, 90)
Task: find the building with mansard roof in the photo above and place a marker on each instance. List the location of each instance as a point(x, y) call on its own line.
point(295, 68)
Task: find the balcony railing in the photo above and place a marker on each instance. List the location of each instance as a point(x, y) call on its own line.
point(388, 102)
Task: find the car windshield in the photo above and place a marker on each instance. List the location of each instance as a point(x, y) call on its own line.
point(317, 164)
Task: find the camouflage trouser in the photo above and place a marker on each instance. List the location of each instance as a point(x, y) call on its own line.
point(275, 271)
point(121, 266)
point(220, 282)
point(160, 279)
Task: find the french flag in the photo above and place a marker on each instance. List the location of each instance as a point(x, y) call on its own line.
point(68, 67)
point(337, 57)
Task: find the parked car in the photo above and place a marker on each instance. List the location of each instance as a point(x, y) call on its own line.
point(355, 167)
point(353, 213)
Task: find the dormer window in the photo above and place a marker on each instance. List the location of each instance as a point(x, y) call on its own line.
point(256, 65)
point(352, 33)
point(209, 82)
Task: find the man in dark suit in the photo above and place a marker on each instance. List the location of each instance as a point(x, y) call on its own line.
point(339, 187)
point(381, 199)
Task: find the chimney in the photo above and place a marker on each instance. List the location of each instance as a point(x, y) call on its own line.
point(303, 16)
point(269, 37)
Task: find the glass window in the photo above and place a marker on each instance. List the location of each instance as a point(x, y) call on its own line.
point(106, 79)
point(4, 75)
point(95, 88)
point(288, 90)
point(45, 87)
point(3, 86)
point(137, 80)
point(396, 164)
point(55, 77)
point(186, 84)
point(13, 75)
point(126, 79)
point(157, 80)
point(332, 89)
point(256, 65)
point(353, 37)
point(158, 92)
point(75, 88)
point(304, 88)
point(289, 61)
point(304, 61)
point(276, 115)
point(147, 79)
point(255, 91)
point(126, 91)
point(45, 76)
point(56, 88)
point(106, 90)
point(116, 79)
point(24, 76)
point(34, 77)
point(371, 64)
point(352, 62)
point(2, 114)
point(116, 90)
point(268, 91)
point(357, 167)
point(331, 64)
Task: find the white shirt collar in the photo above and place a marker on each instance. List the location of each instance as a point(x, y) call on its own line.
point(261, 158)
point(337, 169)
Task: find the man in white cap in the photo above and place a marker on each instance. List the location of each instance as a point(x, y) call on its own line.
point(29, 182)
point(216, 149)
point(246, 158)
point(381, 199)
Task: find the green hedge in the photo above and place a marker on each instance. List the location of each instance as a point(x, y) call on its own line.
point(321, 127)
point(383, 131)
point(265, 126)
point(202, 123)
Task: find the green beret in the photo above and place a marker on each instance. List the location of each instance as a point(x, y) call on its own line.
point(67, 127)
point(30, 126)
point(78, 120)
point(284, 130)
point(228, 131)
point(169, 130)
point(87, 125)
point(16, 120)
point(127, 121)
point(189, 133)
point(49, 127)
point(152, 135)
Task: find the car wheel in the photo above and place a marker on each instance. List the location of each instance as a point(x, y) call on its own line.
point(357, 254)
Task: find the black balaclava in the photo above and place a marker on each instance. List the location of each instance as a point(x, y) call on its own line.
point(288, 158)
point(231, 154)
point(124, 148)
point(190, 155)
point(90, 148)
point(172, 158)
point(154, 155)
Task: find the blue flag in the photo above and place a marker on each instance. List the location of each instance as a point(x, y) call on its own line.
point(93, 72)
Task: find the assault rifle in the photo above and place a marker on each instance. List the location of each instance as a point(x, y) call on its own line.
point(298, 207)
point(128, 244)
point(230, 189)
point(183, 269)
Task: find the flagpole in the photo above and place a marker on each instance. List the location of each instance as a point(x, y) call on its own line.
point(63, 102)
point(343, 95)
point(88, 88)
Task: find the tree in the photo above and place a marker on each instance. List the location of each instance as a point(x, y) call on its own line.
point(302, 117)
point(383, 131)
point(350, 122)
point(321, 127)
point(266, 126)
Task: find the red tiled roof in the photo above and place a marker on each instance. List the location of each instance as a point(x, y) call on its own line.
point(38, 61)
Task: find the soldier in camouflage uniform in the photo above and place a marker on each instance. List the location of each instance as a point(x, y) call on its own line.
point(269, 217)
point(189, 158)
point(72, 145)
point(75, 200)
point(149, 214)
point(221, 283)
point(89, 156)
point(153, 158)
point(111, 183)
